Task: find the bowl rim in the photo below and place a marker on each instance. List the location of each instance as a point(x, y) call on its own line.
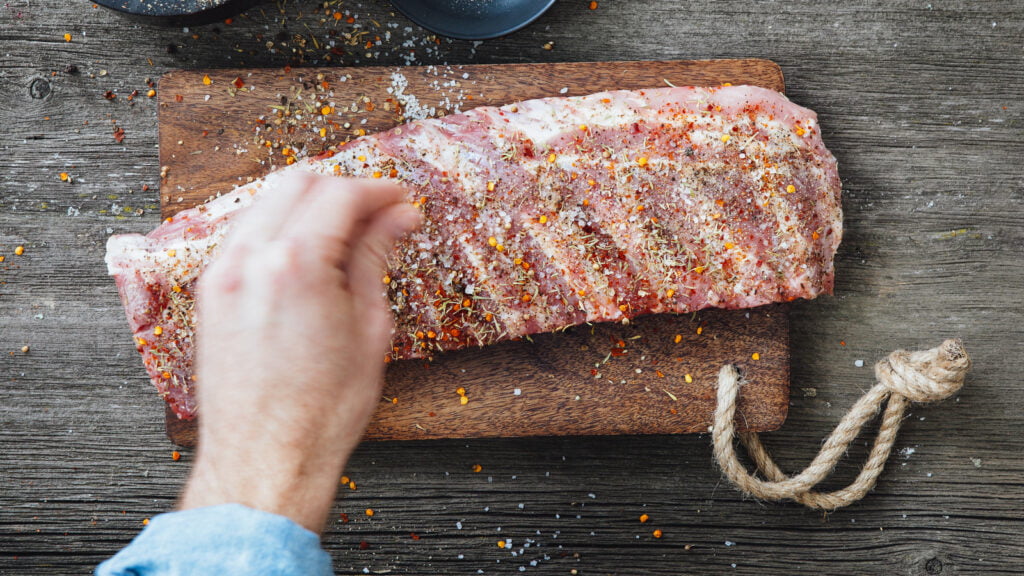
point(406, 7)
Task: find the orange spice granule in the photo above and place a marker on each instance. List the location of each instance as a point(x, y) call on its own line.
point(755, 356)
point(477, 468)
point(656, 533)
point(369, 512)
point(67, 37)
point(19, 250)
point(206, 80)
point(593, 6)
point(678, 338)
point(175, 455)
point(644, 518)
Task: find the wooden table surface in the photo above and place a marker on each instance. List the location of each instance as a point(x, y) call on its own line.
point(921, 103)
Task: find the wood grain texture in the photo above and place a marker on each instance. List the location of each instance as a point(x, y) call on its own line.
point(207, 131)
point(570, 383)
point(920, 102)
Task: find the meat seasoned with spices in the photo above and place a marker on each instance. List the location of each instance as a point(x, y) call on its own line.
point(546, 214)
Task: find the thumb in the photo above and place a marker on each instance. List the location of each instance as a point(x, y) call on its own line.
point(366, 262)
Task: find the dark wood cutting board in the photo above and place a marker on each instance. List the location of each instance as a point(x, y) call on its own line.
point(653, 376)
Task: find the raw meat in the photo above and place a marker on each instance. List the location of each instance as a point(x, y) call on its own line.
point(546, 214)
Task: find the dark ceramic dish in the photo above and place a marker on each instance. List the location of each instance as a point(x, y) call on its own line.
point(472, 19)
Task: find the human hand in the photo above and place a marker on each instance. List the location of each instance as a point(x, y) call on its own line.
point(293, 330)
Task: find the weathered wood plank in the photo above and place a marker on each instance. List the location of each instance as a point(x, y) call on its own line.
point(920, 104)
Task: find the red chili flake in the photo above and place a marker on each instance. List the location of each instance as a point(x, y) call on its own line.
point(178, 97)
point(145, 187)
point(364, 545)
point(619, 351)
point(109, 95)
point(344, 518)
point(414, 536)
point(206, 133)
point(118, 134)
point(238, 83)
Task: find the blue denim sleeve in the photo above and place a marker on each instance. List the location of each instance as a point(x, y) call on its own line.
point(227, 540)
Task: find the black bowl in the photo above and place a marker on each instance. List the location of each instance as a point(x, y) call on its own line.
point(179, 11)
point(472, 19)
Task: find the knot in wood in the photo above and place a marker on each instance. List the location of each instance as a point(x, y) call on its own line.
point(39, 89)
point(927, 376)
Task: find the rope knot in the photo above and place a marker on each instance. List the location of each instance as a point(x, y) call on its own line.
point(926, 376)
point(904, 377)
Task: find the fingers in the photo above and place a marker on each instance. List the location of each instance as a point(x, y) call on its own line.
point(264, 220)
point(332, 214)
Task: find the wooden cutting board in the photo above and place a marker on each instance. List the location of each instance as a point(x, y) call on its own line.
point(219, 128)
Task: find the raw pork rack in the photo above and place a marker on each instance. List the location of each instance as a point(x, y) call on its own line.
point(543, 215)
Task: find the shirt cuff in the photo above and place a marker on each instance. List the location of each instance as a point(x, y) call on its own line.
point(226, 540)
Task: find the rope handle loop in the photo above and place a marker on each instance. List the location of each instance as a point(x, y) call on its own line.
point(903, 377)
